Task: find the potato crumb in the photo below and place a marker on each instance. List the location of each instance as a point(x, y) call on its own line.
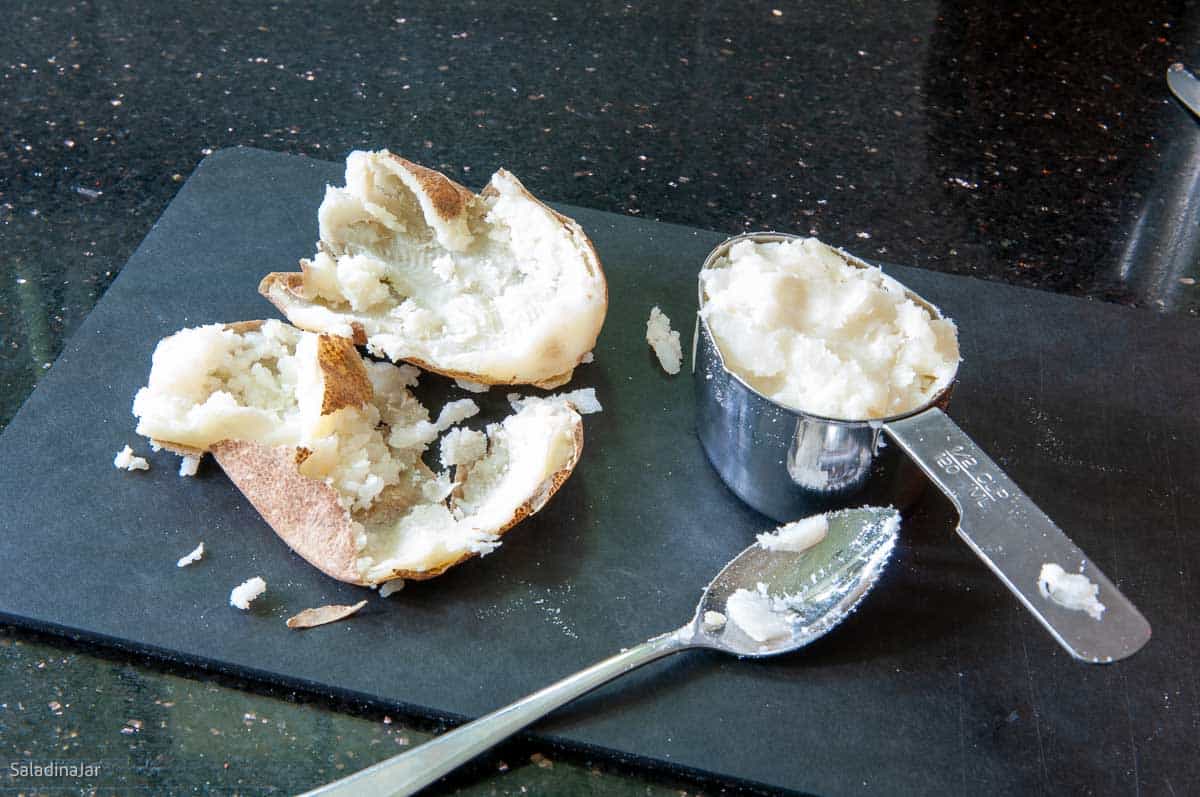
point(390, 588)
point(1070, 590)
point(797, 536)
point(583, 400)
point(664, 341)
point(471, 387)
point(752, 611)
point(189, 465)
point(247, 591)
point(588, 358)
point(195, 556)
point(463, 447)
point(713, 621)
point(127, 461)
point(455, 412)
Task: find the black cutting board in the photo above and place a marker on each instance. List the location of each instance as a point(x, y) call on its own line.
point(941, 683)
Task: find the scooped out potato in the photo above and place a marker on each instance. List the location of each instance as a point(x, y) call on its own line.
point(494, 288)
point(327, 447)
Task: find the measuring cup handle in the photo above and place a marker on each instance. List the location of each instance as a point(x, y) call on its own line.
point(1015, 538)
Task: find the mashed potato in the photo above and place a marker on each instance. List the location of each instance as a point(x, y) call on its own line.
point(812, 332)
point(664, 341)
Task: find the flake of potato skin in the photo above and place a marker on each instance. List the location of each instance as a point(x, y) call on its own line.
point(322, 615)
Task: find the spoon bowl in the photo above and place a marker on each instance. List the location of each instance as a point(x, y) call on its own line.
point(823, 584)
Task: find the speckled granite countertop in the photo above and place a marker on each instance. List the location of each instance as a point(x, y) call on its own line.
point(1038, 147)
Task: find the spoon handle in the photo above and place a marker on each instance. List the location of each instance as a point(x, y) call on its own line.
point(1015, 538)
point(409, 772)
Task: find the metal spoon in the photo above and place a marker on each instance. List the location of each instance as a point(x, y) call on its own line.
point(1185, 86)
point(823, 585)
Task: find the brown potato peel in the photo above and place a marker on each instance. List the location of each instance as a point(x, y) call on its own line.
point(323, 615)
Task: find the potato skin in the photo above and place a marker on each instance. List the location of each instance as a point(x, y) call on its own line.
point(307, 515)
point(450, 200)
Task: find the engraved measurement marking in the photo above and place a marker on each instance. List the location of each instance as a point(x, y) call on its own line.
point(983, 486)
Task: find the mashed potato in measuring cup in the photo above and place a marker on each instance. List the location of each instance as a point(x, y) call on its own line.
point(813, 332)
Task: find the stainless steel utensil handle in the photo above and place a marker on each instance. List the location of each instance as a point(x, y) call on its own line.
point(1015, 538)
point(1184, 85)
point(409, 772)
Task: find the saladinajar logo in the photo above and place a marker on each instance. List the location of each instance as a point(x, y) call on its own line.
point(53, 769)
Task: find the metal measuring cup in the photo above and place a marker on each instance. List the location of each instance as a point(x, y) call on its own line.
point(789, 464)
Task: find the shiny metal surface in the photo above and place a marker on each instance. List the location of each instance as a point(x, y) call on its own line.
point(787, 464)
point(1185, 86)
point(827, 582)
point(1158, 259)
point(1015, 538)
